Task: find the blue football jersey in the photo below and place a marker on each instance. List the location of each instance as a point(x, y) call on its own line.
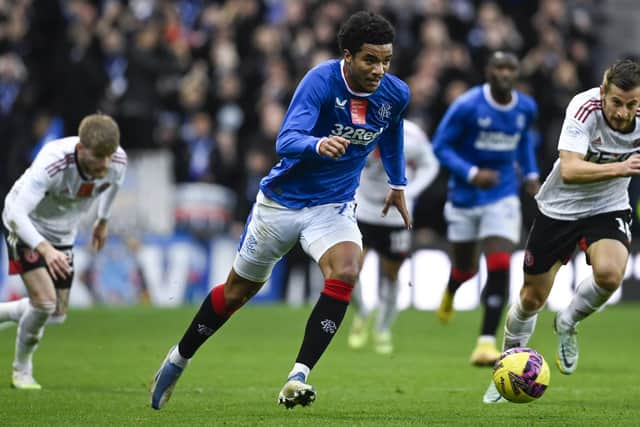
point(477, 131)
point(324, 105)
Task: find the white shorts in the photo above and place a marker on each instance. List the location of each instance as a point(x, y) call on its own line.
point(272, 230)
point(501, 219)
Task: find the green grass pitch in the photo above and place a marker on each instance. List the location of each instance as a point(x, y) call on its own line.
point(95, 370)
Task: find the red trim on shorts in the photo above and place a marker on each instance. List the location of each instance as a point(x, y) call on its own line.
point(583, 244)
point(498, 261)
point(15, 266)
point(337, 289)
point(461, 276)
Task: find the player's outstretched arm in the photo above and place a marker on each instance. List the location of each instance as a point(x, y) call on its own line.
point(396, 198)
point(574, 169)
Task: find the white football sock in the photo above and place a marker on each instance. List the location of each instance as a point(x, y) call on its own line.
point(177, 359)
point(387, 307)
point(300, 367)
point(13, 310)
point(518, 327)
point(589, 297)
point(30, 332)
point(357, 301)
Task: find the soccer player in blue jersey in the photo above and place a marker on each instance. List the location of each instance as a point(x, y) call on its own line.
point(340, 111)
point(484, 133)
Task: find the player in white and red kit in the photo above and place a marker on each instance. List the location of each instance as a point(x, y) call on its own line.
point(40, 222)
point(583, 202)
point(387, 235)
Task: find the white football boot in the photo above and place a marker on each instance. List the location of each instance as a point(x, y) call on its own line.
point(296, 392)
point(567, 354)
point(492, 395)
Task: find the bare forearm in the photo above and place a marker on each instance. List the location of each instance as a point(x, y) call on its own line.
point(44, 247)
point(582, 172)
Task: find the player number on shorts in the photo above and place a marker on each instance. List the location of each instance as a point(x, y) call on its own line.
point(624, 227)
point(400, 241)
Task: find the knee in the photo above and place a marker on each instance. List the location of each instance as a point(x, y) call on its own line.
point(44, 300)
point(236, 295)
point(531, 301)
point(44, 306)
point(609, 277)
point(235, 299)
point(347, 273)
point(390, 269)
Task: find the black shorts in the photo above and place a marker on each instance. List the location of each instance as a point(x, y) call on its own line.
point(388, 241)
point(551, 240)
point(22, 258)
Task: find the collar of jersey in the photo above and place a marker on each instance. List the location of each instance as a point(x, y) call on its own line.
point(486, 91)
point(344, 79)
point(75, 158)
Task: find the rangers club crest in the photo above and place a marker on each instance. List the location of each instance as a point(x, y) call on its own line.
point(384, 112)
point(329, 326)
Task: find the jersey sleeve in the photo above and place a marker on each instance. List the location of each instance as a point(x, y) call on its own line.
point(577, 127)
point(527, 147)
point(391, 148)
point(295, 139)
point(25, 196)
point(420, 156)
point(447, 136)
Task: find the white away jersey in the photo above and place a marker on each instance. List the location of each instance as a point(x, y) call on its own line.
point(47, 201)
point(585, 131)
point(422, 168)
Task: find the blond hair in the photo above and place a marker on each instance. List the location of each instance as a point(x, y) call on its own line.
point(99, 133)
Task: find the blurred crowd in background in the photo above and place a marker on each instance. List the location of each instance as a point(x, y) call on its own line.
point(210, 81)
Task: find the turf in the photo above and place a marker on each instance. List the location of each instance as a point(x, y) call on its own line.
point(95, 370)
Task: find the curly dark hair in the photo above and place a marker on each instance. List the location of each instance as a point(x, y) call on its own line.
point(624, 73)
point(364, 27)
